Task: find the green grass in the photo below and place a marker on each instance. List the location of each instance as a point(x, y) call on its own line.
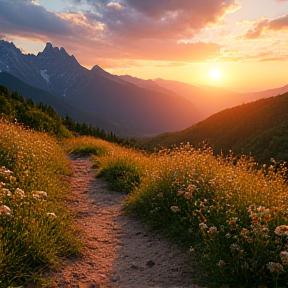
point(38, 232)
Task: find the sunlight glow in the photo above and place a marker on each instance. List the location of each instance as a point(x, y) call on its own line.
point(215, 73)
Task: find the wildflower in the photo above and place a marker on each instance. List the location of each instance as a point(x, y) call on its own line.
point(187, 195)
point(52, 214)
point(212, 229)
point(4, 171)
point(234, 247)
point(41, 193)
point(202, 226)
point(6, 192)
point(281, 230)
point(191, 250)
point(284, 257)
point(228, 235)
point(275, 267)
point(175, 209)
point(6, 210)
point(221, 264)
point(19, 192)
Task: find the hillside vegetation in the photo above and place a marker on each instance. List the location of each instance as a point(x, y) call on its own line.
point(43, 118)
point(231, 212)
point(36, 230)
point(258, 128)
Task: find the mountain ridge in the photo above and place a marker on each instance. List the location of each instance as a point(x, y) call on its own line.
point(258, 127)
point(144, 112)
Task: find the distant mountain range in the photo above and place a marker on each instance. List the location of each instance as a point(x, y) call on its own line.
point(130, 109)
point(125, 105)
point(259, 128)
point(208, 100)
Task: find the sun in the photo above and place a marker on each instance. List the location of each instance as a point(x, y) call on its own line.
point(215, 73)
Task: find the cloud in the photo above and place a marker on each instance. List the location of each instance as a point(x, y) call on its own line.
point(263, 25)
point(120, 29)
point(26, 17)
point(152, 19)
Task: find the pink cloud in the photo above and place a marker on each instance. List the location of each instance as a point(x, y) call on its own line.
point(123, 29)
point(279, 23)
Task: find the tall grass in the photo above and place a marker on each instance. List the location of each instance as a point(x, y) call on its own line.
point(226, 209)
point(35, 227)
point(232, 213)
point(87, 145)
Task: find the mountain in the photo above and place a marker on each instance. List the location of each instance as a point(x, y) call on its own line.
point(60, 105)
point(142, 111)
point(210, 100)
point(259, 128)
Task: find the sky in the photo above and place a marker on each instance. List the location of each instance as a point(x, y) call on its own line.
point(246, 40)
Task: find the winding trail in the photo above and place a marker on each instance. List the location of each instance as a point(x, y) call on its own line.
point(119, 250)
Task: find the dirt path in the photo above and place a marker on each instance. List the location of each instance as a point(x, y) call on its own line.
point(119, 251)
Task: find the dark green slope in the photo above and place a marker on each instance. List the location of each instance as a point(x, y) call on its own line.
point(259, 128)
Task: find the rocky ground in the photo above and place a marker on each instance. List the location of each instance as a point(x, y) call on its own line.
point(119, 250)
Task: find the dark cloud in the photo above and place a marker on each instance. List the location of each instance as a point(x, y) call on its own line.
point(262, 25)
point(24, 18)
point(161, 18)
point(123, 29)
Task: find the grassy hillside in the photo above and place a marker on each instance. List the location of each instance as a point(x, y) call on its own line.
point(36, 230)
point(259, 128)
point(230, 214)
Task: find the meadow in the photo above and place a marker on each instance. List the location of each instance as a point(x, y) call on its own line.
point(230, 212)
point(35, 227)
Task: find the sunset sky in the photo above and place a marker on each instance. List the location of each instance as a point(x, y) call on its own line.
point(172, 39)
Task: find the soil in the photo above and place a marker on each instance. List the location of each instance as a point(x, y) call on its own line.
point(119, 250)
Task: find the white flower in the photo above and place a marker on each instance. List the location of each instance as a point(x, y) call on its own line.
point(281, 230)
point(19, 192)
point(4, 171)
point(284, 257)
point(175, 209)
point(41, 193)
point(6, 210)
point(203, 226)
point(221, 264)
point(6, 192)
point(212, 229)
point(275, 267)
point(52, 214)
point(234, 247)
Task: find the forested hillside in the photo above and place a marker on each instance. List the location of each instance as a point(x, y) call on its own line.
point(259, 128)
point(40, 117)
